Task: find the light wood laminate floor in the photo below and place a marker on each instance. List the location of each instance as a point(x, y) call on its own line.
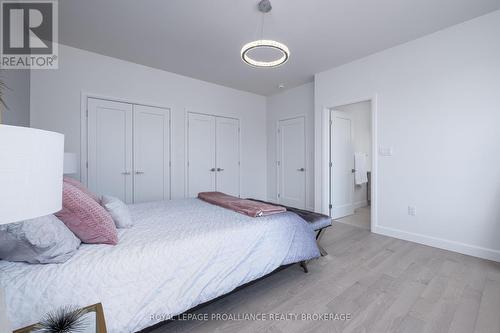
point(386, 284)
point(360, 218)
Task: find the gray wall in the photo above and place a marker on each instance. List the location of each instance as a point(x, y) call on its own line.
point(17, 97)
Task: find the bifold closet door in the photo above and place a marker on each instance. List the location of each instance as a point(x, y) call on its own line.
point(109, 150)
point(227, 155)
point(151, 172)
point(201, 166)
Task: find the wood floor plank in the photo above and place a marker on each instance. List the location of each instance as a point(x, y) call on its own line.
point(438, 303)
point(465, 316)
point(488, 319)
point(411, 324)
point(405, 291)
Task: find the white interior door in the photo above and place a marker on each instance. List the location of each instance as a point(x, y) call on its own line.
point(291, 163)
point(228, 155)
point(342, 165)
point(109, 140)
point(151, 153)
point(201, 154)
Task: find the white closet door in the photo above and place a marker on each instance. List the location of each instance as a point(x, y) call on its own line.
point(201, 154)
point(228, 155)
point(291, 165)
point(110, 148)
point(151, 154)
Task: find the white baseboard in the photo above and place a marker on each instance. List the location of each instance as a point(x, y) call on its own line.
point(360, 204)
point(472, 250)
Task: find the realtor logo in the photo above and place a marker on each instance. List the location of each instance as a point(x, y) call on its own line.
point(29, 35)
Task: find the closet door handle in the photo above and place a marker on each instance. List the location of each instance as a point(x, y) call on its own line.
point(213, 169)
point(126, 173)
point(139, 172)
point(219, 169)
point(301, 169)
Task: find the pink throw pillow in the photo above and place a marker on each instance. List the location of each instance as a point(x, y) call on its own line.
point(88, 220)
point(81, 187)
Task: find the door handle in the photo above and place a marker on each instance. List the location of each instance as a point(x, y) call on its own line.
point(139, 172)
point(353, 170)
point(213, 169)
point(301, 169)
point(126, 173)
point(219, 169)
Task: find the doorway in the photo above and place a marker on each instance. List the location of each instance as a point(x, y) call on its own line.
point(350, 163)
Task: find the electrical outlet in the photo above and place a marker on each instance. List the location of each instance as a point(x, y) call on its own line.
point(412, 210)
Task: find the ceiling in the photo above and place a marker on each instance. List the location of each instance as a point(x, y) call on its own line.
point(202, 39)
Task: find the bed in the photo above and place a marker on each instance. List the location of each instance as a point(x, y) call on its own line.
point(179, 254)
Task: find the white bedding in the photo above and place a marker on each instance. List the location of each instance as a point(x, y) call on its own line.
point(179, 254)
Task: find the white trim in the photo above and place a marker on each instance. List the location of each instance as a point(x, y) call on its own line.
point(84, 96)
point(277, 159)
point(123, 100)
point(468, 249)
point(325, 156)
point(374, 170)
point(186, 152)
point(240, 148)
point(325, 162)
point(83, 138)
point(170, 153)
point(307, 164)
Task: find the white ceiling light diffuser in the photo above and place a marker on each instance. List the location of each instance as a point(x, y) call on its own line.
point(265, 7)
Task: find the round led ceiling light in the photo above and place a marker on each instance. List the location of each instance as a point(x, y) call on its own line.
point(265, 44)
point(264, 7)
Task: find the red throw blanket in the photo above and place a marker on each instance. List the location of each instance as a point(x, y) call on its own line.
point(242, 206)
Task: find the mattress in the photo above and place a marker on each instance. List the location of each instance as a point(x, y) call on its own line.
point(179, 254)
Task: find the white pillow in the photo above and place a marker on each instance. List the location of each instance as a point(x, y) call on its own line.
point(43, 240)
point(118, 211)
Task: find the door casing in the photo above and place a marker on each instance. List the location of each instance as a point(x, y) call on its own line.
point(322, 154)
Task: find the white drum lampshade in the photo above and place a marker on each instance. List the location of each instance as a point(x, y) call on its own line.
point(31, 173)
